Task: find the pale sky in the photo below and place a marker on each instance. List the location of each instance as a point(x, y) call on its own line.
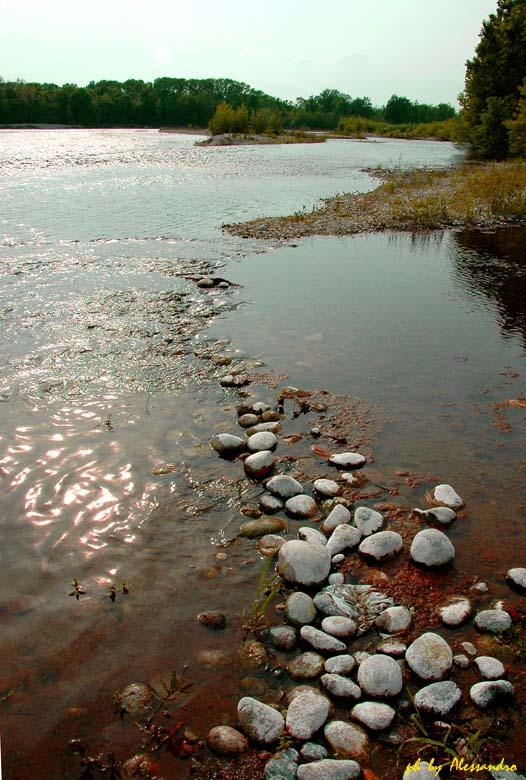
point(288, 48)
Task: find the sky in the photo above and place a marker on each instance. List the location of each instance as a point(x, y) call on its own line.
point(287, 48)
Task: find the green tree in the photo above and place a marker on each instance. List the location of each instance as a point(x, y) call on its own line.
point(517, 127)
point(493, 80)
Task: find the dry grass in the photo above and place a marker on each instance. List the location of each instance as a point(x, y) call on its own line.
point(416, 200)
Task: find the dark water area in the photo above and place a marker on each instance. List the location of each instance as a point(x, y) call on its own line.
point(108, 399)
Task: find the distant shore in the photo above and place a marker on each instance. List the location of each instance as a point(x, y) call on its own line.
point(238, 139)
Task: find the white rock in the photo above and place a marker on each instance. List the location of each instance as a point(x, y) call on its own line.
point(447, 496)
point(490, 668)
point(306, 666)
point(273, 427)
point(340, 687)
point(258, 407)
point(301, 506)
point(469, 648)
point(382, 545)
point(259, 464)
point(493, 620)
point(394, 620)
point(283, 486)
point(337, 516)
point(313, 536)
point(368, 521)
point(480, 587)
point(337, 558)
point(264, 440)
point(329, 769)
point(484, 694)
point(347, 460)
point(429, 656)
point(337, 578)
point(343, 537)
point(439, 514)
point(360, 656)
point(379, 676)
point(432, 547)
point(456, 611)
point(438, 698)
point(339, 626)
point(461, 660)
point(374, 715)
point(306, 714)
point(327, 488)
point(270, 504)
point(227, 445)
point(301, 563)
point(392, 647)
point(347, 740)
point(260, 722)
point(340, 664)
point(518, 577)
point(321, 641)
point(300, 609)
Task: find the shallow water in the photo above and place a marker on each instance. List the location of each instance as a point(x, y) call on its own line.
point(100, 384)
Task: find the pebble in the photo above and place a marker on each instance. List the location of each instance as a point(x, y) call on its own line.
point(382, 545)
point(212, 619)
point(374, 715)
point(368, 521)
point(283, 637)
point(339, 626)
point(270, 544)
point(284, 487)
point(260, 407)
point(211, 657)
point(493, 620)
point(484, 694)
point(447, 496)
point(206, 282)
point(321, 641)
point(265, 440)
point(139, 765)
point(394, 620)
point(329, 769)
point(423, 772)
point(429, 656)
point(432, 547)
point(469, 648)
point(227, 445)
point(263, 526)
point(337, 578)
point(347, 460)
point(259, 464)
point(392, 647)
point(340, 687)
point(337, 558)
point(490, 668)
point(456, 611)
point(343, 537)
point(301, 506)
point(517, 577)
point(301, 563)
point(270, 415)
point(270, 504)
point(480, 587)
point(260, 722)
point(315, 432)
point(272, 427)
point(380, 675)
point(282, 766)
point(461, 660)
point(226, 741)
point(340, 664)
point(136, 698)
point(340, 515)
point(312, 536)
point(253, 654)
point(306, 714)
point(300, 609)
point(306, 666)
point(347, 740)
point(439, 514)
point(234, 380)
point(438, 698)
point(311, 751)
point(327, 488)
point(247, 420)
point(360, 656)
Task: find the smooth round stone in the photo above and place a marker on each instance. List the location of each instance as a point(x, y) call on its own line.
point(340, 687)
point(212, 619)
point(339, 626)
point(429, 656)
point(227, 445)
point(337, 578)
point(517, 577)
point(394, 620)
point(301, 563)
point(270, 415)
point(270, 544)
point(263, 526)
point(283, 637)
point(300, 609)
point(373, 715)
point(301, 506)
point(343, 537)
point(327, 488)
point(273, 427)
point(260, 722)
point(206, 282)
point(253, 654)
point(456, 611)
point(340, 515)
point(337, 558)
point(469, 648)
point(136, 698)
point(282, 766)
point(270, 504)
point(306, 714)
point(226, 741)
point(306, 666)
point(312, 535)
point(438, 698)
point(392, 647)
point(311, 751)
point(340, 664)
point(432, 547)
point(439, 514)
point(485, 694)
point(259, 407)
point(284, 487)
point(447, 496)
point(329, 769)
point(247, 420)
point(461, 660)
point(423, 772)
point(381, 546)
point(259, 464)
point(265, 440)
point(490, 668)
point(368, 521)
point(321, 641)
point(347, 460)
point(493, 620)
point(347, 740)
point(379, 676)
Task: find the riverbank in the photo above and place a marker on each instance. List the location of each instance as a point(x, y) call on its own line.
point(235, 139)
point(478, 195)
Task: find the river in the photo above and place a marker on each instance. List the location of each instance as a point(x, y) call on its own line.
point(103, 379)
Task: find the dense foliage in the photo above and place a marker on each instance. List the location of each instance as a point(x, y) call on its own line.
point(493, 116)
